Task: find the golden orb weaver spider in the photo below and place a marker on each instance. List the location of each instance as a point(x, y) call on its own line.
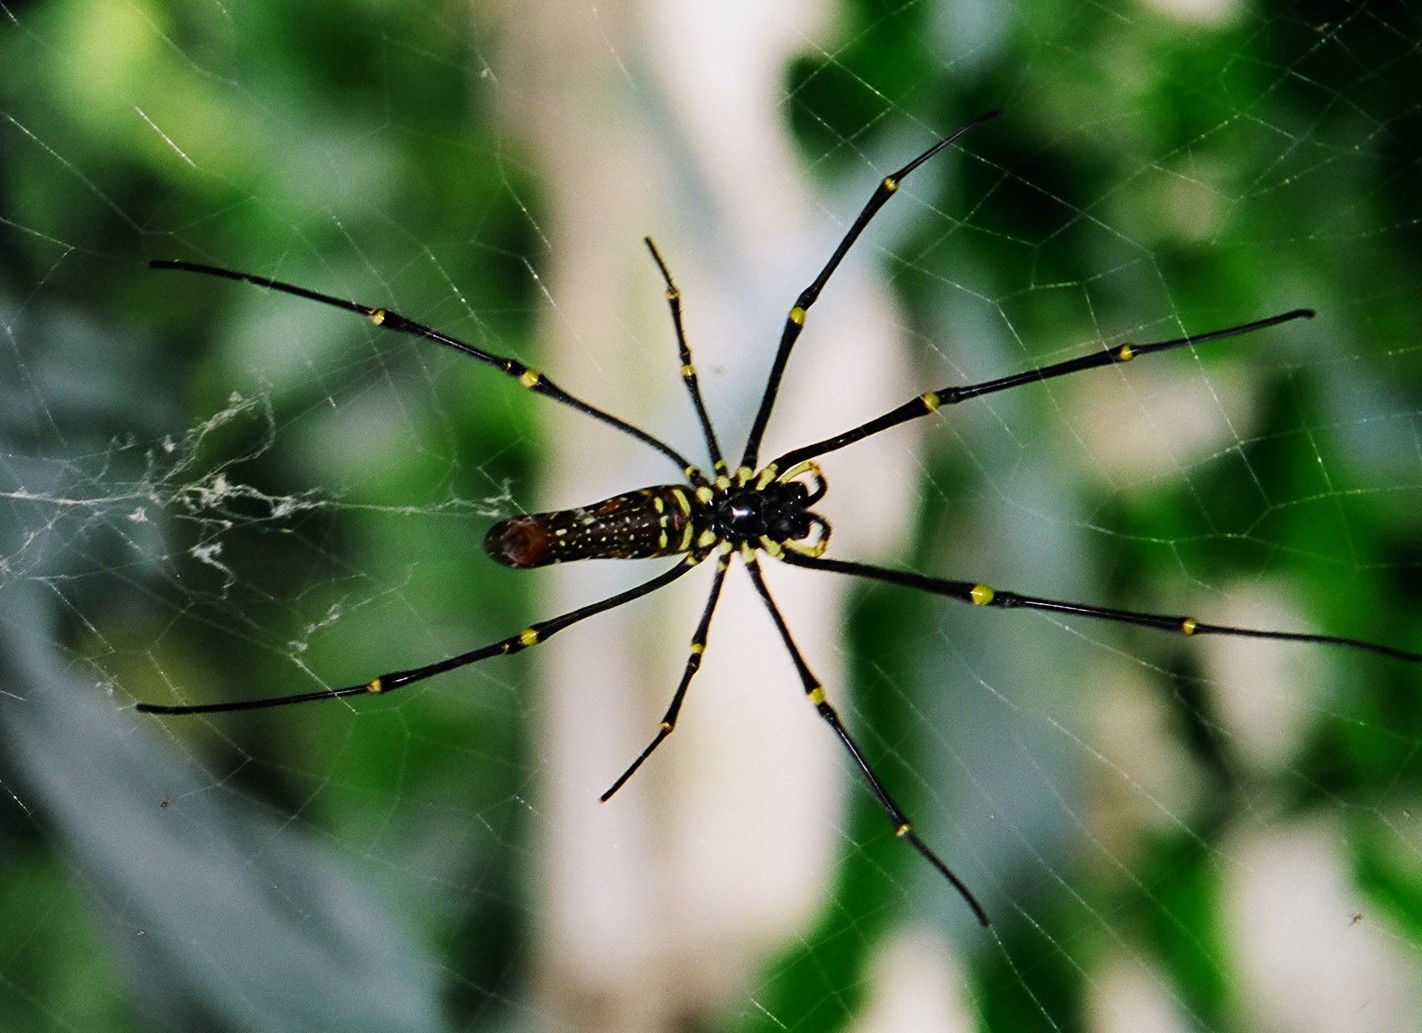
point(741, 512)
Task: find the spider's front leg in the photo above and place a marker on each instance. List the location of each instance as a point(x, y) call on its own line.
point(795, 318)
point(1180, 624)
point(815, 692)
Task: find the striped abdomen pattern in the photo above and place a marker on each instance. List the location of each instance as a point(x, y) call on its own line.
point(642, 524)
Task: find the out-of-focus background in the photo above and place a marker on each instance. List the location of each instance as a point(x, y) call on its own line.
point(209, 491)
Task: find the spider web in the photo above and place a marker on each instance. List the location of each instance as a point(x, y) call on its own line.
point(215, 492)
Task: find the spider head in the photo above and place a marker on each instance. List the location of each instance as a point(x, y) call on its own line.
point(773, 512)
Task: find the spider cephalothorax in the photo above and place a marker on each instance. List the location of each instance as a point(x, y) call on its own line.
point(771, 511)
point(751, 510)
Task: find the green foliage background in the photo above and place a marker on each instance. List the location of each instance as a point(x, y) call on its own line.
point(355, 146)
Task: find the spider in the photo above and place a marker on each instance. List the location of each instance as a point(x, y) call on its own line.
point(742, 511)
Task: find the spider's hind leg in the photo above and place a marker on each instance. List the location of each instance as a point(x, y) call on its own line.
point(688, 368)
point(693, 664)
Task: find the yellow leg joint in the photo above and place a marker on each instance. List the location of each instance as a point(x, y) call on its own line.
point(1188, 625)
point(528, 637)
point(814, 550)
point(930, 400)
point(530, 378)
point(903, 830)
point(817, 695)
point(1125, 353)
point(981, 595)
point(666, 726)
point(772, 547)
point(890, 184)
point(374, 686)
point(806, 466)
point(797, 316)
point(377, 316)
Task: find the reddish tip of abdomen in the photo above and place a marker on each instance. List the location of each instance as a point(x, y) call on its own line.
point(521, 541)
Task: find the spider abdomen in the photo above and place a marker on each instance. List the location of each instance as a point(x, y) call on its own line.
point(641, 524)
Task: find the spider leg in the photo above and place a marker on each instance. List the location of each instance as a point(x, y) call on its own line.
point(982, 595)
point(816, 693)
point(388, 320)
point(795, 320)
point(693, 664)
point(931, 401)
point(688, 369)
point(530, 636)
